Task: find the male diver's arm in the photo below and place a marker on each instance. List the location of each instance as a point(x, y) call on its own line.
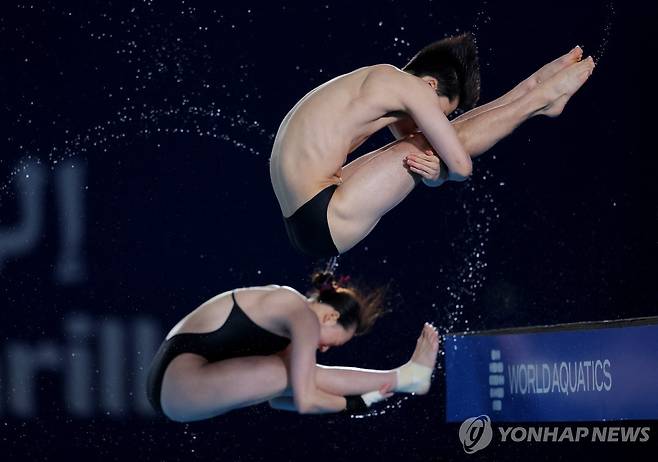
point(438, 130)
point(419, 101)
point(444, 175)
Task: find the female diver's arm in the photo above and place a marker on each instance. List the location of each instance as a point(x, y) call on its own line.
point(304, 330)
point(305, 335)
point(354, 403)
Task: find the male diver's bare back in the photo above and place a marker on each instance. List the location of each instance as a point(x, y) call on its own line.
point(318, 133)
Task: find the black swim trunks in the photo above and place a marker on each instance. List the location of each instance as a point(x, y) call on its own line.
point(238, 336)
point(308, 229)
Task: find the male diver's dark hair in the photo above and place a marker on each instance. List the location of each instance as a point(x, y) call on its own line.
point(453, 62)
point(355, 308)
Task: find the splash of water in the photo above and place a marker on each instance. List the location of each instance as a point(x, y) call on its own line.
point(156, 57)
point(464, 283)
point(606, 32)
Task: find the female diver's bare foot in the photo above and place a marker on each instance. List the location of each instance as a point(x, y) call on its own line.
point(546, 72)
point(561, 87)
point(416, 375)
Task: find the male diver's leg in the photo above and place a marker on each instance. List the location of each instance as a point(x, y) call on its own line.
point(371, 190)
point(521, 89)
point(482, 131)
point(379, 184)
point(544, 73)
point(348, 170)
point(383, 181)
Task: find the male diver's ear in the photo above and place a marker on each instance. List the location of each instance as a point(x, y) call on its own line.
point(431, 81)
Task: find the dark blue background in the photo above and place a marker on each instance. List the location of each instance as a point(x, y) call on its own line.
point(566, 207)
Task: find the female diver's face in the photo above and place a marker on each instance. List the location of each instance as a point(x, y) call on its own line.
point(332, 333)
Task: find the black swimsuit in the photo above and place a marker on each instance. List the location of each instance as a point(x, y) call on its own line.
point(308, 229)
point(238, 336)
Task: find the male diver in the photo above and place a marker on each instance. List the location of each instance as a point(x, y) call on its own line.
point(329, 207)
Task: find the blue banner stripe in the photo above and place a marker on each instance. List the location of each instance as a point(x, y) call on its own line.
point(570, 375)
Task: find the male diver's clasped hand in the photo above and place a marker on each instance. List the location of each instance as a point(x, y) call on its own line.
point(430, 167)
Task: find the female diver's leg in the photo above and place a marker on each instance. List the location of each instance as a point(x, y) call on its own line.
point(343, 381)
point(194, 389)
point(384, 181)
point(412, 377)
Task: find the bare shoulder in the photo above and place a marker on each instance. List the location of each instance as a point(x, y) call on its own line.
point(388, 87)
point(284, 299)
point(290, 308)
point(384, 68)
point(388, 74)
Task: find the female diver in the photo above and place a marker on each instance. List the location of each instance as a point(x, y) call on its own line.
point(257, 344)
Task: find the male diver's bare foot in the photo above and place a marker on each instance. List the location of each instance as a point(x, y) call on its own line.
point(546, 72)
point(416, 375)
point(549, 70)
point(561, 87)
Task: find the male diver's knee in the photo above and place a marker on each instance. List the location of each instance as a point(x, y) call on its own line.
point(414, 143)
point(184, 414)
point(176, 415)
